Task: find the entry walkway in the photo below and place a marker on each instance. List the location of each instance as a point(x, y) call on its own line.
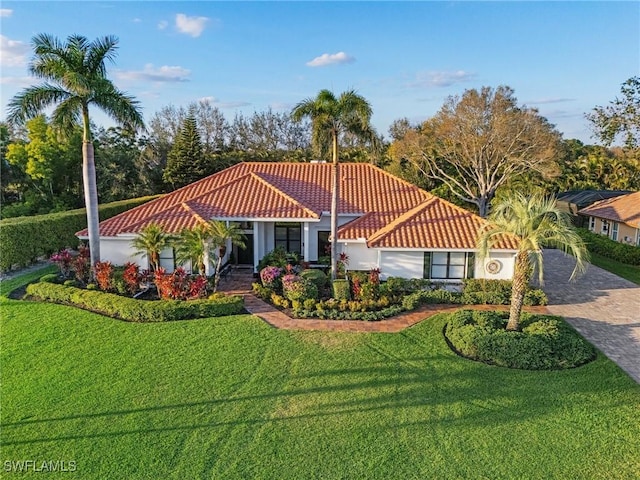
point(603, 307)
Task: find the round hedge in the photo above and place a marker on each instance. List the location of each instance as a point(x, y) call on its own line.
point(544, 343)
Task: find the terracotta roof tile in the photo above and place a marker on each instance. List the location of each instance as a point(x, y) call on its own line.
point(394, 212)
point(624, 209)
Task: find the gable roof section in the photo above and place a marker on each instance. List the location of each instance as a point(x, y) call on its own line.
point(435, 224)
point(392, 212)
point(624, 209)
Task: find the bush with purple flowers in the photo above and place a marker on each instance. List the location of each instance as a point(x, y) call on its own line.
point(272, 277)
point(298, 288)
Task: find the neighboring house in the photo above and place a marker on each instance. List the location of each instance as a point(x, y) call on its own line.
point(618, 218)
point(384, 222)
point(573, 201)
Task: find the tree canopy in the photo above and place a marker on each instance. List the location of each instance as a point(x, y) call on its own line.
point(479, 141)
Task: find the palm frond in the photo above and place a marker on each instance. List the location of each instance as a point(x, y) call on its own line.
point(122, 108)
point(32, 101)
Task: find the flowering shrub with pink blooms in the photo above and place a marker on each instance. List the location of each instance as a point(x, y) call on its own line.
point(298, 288)
point(271, 277)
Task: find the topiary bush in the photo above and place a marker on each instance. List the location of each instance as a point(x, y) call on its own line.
point(316, 276)
point(133, 310)
point(497, 292)
point(544, 343)
point(341, 289)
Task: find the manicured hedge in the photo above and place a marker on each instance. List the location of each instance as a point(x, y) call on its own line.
point(478, 291)
point(544, 342)
point(606, 247)
point(25, 239)
point(133, 310)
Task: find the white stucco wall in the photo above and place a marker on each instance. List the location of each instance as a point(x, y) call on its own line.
point(405, 264)
point(311, 246)
point(360, 257)
point(505, 261)
point(119, 251)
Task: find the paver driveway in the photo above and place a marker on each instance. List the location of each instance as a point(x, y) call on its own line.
point(603, 307)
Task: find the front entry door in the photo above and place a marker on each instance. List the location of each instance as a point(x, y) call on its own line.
point(245, 255)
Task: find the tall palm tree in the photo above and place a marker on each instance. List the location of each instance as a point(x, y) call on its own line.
point(150, 242)
point(194, 245)
point(221, 235)
point(74, 75)
point(330, 118)
point(535, 222)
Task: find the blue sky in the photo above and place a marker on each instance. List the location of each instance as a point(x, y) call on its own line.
point(405, 58)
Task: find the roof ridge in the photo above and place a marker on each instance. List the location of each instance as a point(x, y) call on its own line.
point(400, 220)
point(195, 214)
point(285, 195)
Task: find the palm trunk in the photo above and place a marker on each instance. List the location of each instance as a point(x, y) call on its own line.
point(91, 200)
point(335, 187)
point(518, 290)
point(216, 281)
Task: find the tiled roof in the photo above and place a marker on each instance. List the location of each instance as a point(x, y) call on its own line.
point(394, 213)
point(624, 209)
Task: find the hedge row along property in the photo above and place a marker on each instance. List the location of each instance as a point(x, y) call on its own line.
point(25, 239)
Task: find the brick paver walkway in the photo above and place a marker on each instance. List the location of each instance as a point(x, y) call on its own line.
point(603, 307)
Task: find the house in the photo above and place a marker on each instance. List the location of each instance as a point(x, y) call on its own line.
point(573, 201)
point(618, 218)
point(384, 222)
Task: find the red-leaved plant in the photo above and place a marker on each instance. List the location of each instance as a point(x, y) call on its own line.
point(132, 277)
point(104, 275)
point(81, 264)
point(178, 285)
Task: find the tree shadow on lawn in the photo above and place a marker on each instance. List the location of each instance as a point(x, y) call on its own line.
point(377, 393)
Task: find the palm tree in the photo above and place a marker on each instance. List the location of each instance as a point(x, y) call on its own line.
point(221, 235)
point(150, 242)
point(330, 118)
point(194, 245)
point(535, 222)
point(74, 75)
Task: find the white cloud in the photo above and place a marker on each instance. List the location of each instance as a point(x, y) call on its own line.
point(12, 52)
point(164, 74)
point(6, 12)
point(282, 106)
point(216, 102)
point(441, 78)
point(162, 25)
point(546, 101)
point(193, 26)
point(331, 59)
point(137, 20)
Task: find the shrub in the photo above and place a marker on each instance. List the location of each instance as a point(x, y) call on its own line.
point(131, 277)
point(295, 287)
point(81, 264)
point(277, 257)
point(179, 285)
point(341, 289)
point(133, 310)
point(606, 247)
point(70, 283)
point(535, 296)
point(50, 278)
point(63, 260)
point(545, 342)
point(271, 277)
point(497, 292)
point(25, 239)
point(316, 276)
point(422, 297)
point(104, 275)
point(261, 291)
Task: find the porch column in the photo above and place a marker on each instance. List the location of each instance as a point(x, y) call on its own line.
point(305, 241)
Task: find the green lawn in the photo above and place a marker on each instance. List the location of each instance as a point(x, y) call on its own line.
point(233, 398)
point(624, 270)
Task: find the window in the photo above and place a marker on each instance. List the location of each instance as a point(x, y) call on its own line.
point(168, 259)
point(605, 228)
point(448, 265)
point(592, 224)
point(289, 237)
point(324, 246)
point(614, 231)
